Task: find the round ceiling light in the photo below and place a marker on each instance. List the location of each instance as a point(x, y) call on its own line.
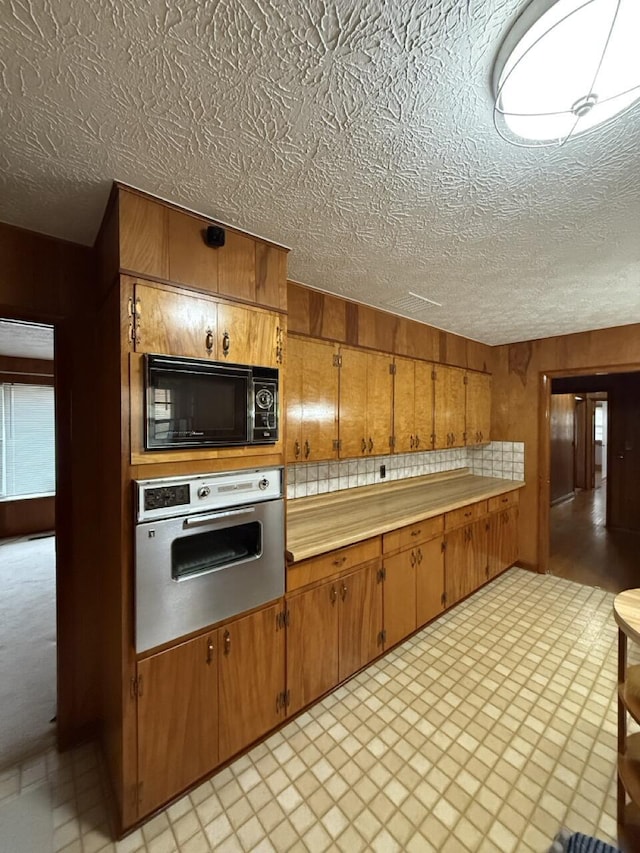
point(565, 68)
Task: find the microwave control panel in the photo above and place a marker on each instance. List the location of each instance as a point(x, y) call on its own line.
point(265, 410)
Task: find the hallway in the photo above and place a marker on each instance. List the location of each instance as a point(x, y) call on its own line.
point(583, 550)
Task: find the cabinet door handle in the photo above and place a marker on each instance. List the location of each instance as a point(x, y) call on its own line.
point(209, 650)
point(307, 450)
point(208, 341)
point(333, 594)
point(296, 449)
point(226, 343)
point(339, 561)
point(419, 555)
point(505, 500)
point(412, 559)
point(468, 514)
point(364, 445)
point(417, 441)
point(370, 444)
point(411, 442)
point(416, 532)
point(226, 637)
point(343, 591)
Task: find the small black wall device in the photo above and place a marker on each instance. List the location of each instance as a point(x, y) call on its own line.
point(214, 236)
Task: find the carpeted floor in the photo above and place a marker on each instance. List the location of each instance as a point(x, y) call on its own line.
point(27, 647)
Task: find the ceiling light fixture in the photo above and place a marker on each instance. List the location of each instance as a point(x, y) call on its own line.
point(565, 68)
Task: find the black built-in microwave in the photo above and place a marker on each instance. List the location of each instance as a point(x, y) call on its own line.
point(192, 402)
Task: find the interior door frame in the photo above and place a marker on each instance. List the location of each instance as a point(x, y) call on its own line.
point(544, 447)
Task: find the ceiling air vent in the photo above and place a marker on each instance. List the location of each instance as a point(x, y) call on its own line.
point(412, 304)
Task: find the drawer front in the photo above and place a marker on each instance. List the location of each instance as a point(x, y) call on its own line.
point(465, 515)
point(503, 501)
point(412, 534)
point(318, 568)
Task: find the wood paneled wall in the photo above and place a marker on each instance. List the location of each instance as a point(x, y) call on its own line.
point(30, 515)
point(520, 396)
point(562, 428)
point(323, 315)
point(51, 281)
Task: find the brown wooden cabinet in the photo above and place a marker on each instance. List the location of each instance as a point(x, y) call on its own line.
point(478, 408)
point(412, 405)
point(366, 400)
point(449, 407)
point(311, 400)
point(167, 243)
point(333, 630)
point(430, 599)
point(177, 712)
point(503, 540)
point(399, 596)
point(251, 678)
point(170, 321)
point(466, 560)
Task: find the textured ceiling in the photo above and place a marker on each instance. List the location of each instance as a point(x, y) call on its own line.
point(359, 134)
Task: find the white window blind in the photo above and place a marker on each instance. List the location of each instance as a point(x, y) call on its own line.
point(27, 440)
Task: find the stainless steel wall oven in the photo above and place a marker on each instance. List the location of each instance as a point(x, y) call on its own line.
point(206, 548)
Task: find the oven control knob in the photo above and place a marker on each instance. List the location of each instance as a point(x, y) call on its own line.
point(264, 398)
point(263, 484)
point(204, 492)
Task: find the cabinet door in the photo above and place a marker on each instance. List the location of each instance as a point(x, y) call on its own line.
point(174, 323)
point(480, 550)
point(429, 580)
point(460, 567)
point(293, 399)
point(251, 677)
point(312, 644)
point(503, 540)
point(319, 432)
point(248, 335)
point(404, 388)
point(423, 405)
point(399, 596)
point(478, 417)
point(191, 261)
point(379, 403)
point(143, 235)
point(449, 407)
point(237, 266)
point(177, 719)
point(360, 623)
point(353, 403)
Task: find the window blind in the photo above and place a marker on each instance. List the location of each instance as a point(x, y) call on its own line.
point(27, 440)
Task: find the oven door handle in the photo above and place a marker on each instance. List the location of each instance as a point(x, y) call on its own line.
point(205, 519)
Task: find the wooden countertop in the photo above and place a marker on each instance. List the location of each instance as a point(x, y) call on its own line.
point(321, 523)
point(626, 610)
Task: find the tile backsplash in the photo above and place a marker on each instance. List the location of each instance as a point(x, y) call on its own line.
point(504, 459)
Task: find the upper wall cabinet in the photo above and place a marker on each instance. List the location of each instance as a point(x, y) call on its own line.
point(366, 402)
point(412, 405)
point(449, 407)
point(169, 321)
point(478, 423)
point(311, 395)
point(163, 242)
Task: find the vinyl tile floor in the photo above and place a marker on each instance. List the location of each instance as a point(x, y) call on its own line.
point(487, 731)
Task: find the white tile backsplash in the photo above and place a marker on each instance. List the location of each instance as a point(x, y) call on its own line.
point(503, 459)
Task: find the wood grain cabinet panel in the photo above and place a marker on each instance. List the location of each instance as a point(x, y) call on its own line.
point(177, 720)
point(466, 558)
point(250, 335)
point(503, 540)
point(251, 678)
point(271, 276)
point(366, 401)
point(312, 400)
point(360, 622)
point(399, 596)
point(404, 396)
point(449, 407)
point(430, 581)
point(174, 323)
point(191, 261)
point(312, 648)
point(478, 408)
point(424, 393)
point(144, 241)
point(237, 266)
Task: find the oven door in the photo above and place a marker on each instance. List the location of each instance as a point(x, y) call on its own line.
point(195, 570)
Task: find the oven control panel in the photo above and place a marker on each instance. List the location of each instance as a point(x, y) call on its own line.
point(185, 496)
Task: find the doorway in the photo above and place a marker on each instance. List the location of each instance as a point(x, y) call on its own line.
point(28, 677)
point(594, 521)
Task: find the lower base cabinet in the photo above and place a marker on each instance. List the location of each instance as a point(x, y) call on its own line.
point(251, 654)
point(399, 596)
point(430, 600)
point(177, 720)
point(466, 560)
point(332, 631)
point(503, 540)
